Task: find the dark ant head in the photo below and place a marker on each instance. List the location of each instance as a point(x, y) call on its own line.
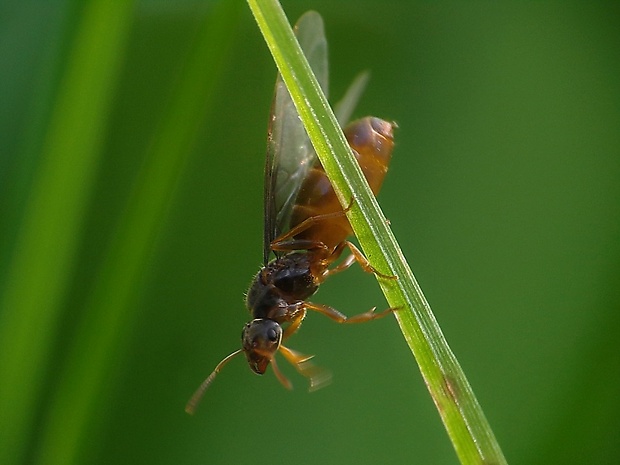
point(261, 340)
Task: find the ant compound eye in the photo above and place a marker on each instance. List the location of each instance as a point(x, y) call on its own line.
point(272, 334)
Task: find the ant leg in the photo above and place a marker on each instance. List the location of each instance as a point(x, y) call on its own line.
point(293, 357)
point(284, 381)
point(359, 257)
point(295, 324)
point(305, 224)
point(346, 263)
point(318, 377)
point(342, 318)
point(298, 360)
point(298, 244)
point(321, 271)
point(284, 242)
point(356, 256)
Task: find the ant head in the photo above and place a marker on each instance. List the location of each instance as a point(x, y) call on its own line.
point(261, 340)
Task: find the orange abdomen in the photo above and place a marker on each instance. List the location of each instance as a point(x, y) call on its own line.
point(372, 142)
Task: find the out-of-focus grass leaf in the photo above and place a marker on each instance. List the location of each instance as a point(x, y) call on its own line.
point(41, 265)
point(110, 311)
point(42, 260)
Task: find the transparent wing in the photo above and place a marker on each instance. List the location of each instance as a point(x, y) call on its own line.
point(344, 108)
point(289, 152)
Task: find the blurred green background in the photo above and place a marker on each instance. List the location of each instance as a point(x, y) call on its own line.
point(132, 142)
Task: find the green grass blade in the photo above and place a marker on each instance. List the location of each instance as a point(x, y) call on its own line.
point(111, 308)
point(461, 413)
point(42, 261)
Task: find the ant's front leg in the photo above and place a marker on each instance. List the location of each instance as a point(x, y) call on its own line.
point(295, 324)
point(318, 377)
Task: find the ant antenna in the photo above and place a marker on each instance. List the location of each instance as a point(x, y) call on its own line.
point(195, 399)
